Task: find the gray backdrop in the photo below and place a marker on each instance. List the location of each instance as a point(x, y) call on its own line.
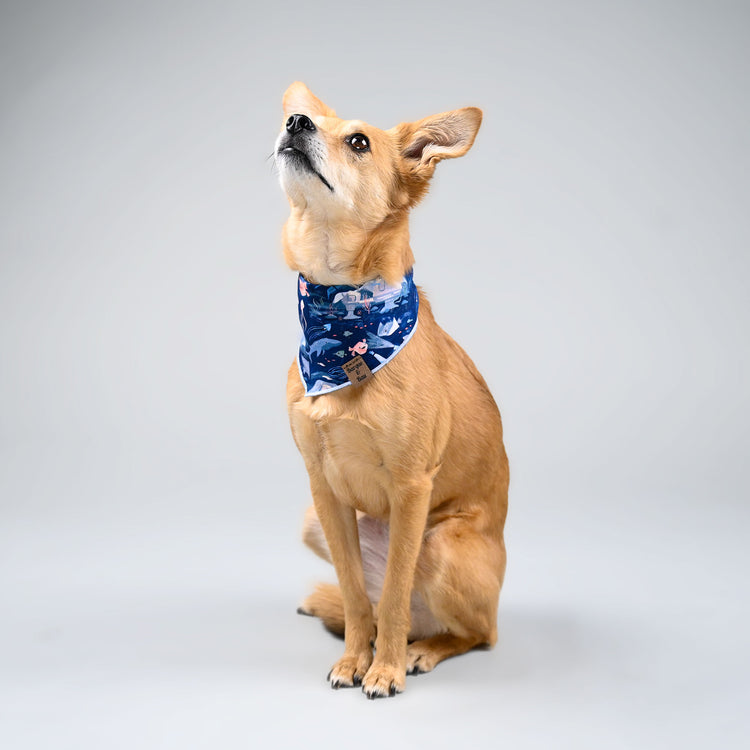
point(590, 253)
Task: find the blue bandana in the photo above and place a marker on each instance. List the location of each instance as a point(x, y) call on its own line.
point(349, 332)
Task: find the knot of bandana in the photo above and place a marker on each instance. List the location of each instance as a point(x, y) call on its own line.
point(373, 321)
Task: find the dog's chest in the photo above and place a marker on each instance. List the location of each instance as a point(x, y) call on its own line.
point(351, 454)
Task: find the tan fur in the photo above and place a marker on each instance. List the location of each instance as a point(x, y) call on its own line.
point(419, 446)
point(326, 603)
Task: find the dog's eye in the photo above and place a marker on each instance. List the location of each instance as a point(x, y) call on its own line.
point(358, 142)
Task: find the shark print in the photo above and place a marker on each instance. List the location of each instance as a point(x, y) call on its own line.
point(387, 327)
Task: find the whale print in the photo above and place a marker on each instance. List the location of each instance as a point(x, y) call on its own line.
point(323, 345)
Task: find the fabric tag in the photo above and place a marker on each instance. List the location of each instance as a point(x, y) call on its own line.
point(356, 370)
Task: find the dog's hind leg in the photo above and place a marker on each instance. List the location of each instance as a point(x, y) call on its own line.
point(459, 575)
point(313, 536)
point(326, 600)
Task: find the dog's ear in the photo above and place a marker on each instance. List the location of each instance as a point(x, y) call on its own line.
point(299, 100)
point(424, 143)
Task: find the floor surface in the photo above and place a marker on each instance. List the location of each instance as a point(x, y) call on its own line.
point(159, 631)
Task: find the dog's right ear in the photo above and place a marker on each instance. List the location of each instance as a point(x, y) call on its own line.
point(299, 100)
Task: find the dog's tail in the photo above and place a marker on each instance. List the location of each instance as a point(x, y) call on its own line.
point(326, 603)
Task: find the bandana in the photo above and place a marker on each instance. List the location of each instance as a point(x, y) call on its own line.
point(350, 332)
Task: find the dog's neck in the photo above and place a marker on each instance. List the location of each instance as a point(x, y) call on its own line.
point(330, 252)
point(351, 332)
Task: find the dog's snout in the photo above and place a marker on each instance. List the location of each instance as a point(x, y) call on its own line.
point(296, 123)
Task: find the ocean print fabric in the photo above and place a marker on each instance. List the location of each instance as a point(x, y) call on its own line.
point(374, 321)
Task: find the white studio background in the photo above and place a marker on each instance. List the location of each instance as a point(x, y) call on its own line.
point(591, 253)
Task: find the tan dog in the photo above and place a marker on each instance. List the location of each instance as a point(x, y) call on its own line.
point(408, 471)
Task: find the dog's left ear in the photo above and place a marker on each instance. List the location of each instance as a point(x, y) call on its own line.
point(426, 142)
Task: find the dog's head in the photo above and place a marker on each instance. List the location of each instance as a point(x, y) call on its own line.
point(349, 181)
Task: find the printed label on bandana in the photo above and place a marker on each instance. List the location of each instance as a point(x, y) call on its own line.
point(349, 333)
point(357, 370)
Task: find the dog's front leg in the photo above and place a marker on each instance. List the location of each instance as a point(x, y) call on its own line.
point(408, 515)
point(339, 524)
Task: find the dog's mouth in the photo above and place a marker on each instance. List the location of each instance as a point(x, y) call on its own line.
point(300, 158)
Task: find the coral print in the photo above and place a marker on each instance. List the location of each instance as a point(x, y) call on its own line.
point(373, 321)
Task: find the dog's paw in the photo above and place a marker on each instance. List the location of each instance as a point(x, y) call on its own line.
point(383, 680)
point(420, 659)
point(349, 671)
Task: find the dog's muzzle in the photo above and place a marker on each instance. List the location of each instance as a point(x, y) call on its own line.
point(297, 144)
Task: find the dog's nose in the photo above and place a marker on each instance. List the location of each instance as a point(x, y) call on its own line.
point(299, 122)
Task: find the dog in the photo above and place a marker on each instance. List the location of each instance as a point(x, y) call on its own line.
point(401, 438)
